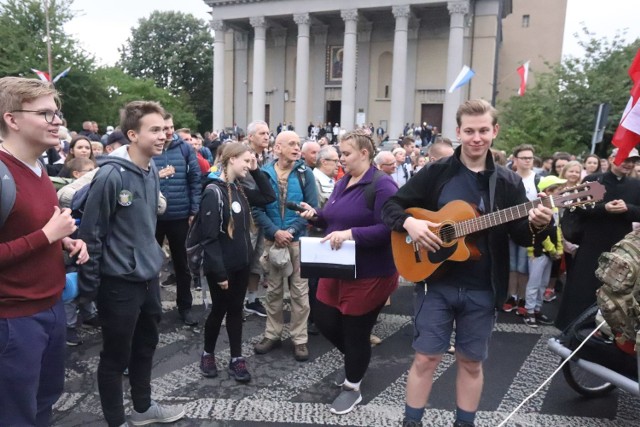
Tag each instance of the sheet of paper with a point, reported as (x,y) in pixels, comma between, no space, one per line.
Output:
(312,251)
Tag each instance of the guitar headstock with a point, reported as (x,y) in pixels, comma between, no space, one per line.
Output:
(582,195)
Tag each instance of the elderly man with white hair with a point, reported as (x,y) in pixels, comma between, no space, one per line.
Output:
(403,170)
(386,162)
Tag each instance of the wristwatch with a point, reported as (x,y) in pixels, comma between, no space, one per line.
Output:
(291,231)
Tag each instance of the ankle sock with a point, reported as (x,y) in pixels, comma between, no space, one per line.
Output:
(414,414)
(352,386)
(204,353)
(251,297)
(233,359)
(465,416)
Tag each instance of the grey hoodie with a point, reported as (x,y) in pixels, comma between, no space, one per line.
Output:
(119,224)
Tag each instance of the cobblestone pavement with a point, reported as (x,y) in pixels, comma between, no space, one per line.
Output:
(284,392)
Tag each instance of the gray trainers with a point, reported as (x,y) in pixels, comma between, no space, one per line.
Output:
(157,414)
(346,401)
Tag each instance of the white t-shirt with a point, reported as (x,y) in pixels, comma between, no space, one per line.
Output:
(530,186)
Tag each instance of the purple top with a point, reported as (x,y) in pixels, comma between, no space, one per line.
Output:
(347,209)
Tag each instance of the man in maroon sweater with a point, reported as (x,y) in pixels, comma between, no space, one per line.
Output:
(32,275)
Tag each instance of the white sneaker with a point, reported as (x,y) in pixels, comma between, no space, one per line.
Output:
(157,414)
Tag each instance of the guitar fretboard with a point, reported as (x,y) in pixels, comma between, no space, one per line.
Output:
(503,216)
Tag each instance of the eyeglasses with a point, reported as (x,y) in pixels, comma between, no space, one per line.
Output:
(388,164)
(49,115)
(332,160)
(524,158)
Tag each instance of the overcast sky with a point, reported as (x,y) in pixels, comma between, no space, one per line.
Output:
(102,27)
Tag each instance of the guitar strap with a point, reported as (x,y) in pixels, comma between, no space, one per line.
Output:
(492,189)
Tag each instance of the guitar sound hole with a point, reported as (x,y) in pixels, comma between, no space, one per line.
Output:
(447,233)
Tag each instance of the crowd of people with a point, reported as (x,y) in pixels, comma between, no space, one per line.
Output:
(223,210)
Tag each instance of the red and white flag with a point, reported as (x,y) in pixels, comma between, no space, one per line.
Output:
(42,75)
(523,71)
(627,135)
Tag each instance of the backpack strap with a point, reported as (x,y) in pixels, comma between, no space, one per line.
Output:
(7,192)
(300,171)
(370,189)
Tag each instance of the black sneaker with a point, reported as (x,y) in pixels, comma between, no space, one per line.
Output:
(73,338)
(543,319)
(459,423)
(197,284)
(93,322)
(255,307)
(530,320)
(312,329)
(170,280)
(238,370)
(411,423)
(208,366)
(187,317)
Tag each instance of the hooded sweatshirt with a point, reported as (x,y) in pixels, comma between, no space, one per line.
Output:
(119,224)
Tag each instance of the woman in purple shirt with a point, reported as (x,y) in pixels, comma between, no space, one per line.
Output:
(346,310)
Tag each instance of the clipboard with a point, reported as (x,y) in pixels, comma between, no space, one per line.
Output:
(319,260)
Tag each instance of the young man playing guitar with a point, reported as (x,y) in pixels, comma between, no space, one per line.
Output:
(467,292)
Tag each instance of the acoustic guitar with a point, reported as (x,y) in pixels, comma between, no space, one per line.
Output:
(458,219)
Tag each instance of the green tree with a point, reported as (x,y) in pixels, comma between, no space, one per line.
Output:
(120,88)
(23,47)
(175,50)
(558,113)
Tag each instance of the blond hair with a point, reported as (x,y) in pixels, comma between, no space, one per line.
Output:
(476,107)
(234,149)
(361,141)
(15,91)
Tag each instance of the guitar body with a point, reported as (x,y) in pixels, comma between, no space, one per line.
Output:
(416,265)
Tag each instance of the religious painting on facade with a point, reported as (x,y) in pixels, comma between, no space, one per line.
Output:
(334,64)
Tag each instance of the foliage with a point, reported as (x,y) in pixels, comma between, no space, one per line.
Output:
(120,88)
(87,93)
(175,50)
(558,113)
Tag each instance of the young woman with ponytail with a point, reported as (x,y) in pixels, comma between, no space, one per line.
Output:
(225,213)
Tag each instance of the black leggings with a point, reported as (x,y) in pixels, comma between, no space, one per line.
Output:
(227,302)
(350,335)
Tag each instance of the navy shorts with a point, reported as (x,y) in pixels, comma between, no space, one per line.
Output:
(435,312)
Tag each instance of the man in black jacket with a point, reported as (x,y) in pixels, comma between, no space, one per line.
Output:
(466,292)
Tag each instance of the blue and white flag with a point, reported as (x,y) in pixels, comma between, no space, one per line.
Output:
(62,74)
(465,75)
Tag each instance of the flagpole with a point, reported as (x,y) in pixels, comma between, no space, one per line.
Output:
(49,57)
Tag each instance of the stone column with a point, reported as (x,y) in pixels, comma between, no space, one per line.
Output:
(363,71)
(399,73)
(218,74)
(240,78)
(277,65)
(457,9)
(319,58)
(302,75)
(259,70)
(348,108)
(412,71)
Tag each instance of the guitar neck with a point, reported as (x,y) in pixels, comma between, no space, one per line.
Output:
(500,217)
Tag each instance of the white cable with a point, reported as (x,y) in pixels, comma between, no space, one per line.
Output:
(564,362)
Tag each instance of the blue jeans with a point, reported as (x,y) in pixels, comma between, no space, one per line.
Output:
(32,353)
(435,312)
(518,258)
